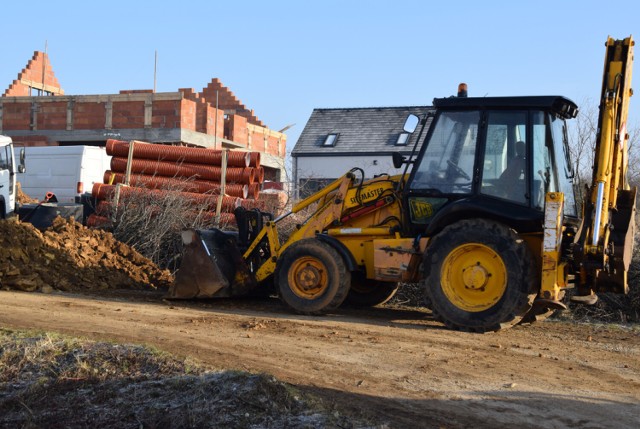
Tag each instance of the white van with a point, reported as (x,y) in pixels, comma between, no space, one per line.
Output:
(67,171)
(8,176)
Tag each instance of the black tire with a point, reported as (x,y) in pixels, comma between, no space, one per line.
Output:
(312,277)
(479,276)
(369,293)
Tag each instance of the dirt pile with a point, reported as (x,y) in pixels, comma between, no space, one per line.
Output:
(22,197)
(71,257)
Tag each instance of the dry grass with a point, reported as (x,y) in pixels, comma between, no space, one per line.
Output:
(614,307)
(152,225)
(53,381)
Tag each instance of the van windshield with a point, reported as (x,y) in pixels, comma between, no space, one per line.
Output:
(5,158)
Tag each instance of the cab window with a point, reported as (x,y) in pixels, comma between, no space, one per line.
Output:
(504,167)
(563,161)
(5,158)
(447,164)
(544,177)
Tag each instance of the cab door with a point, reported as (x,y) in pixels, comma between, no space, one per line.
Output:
(445,169)
(6,182)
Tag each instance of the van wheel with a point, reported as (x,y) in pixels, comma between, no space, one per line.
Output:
(480,276)
(312,277)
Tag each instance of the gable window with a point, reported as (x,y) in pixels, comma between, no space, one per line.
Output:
(403,138)
(330,140)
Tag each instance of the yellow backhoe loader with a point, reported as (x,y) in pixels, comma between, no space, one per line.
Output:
(486,219)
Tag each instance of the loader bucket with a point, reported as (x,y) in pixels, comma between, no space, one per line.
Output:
(212,266)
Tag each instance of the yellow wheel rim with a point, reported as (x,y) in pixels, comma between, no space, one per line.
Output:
(308,277)
(473,277)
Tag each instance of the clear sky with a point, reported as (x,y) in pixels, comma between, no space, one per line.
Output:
(284,58)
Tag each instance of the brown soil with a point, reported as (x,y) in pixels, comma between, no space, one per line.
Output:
(395,364)
(24,198)
(69,256)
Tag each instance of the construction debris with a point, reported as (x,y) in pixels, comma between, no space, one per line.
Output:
(70,257)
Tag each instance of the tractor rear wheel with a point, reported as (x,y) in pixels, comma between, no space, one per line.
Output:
(369,293)
(480,276)
(312,277)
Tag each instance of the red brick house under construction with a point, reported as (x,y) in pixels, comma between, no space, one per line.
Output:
(35,111)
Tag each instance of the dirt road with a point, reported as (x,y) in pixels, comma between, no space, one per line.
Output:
(395,364)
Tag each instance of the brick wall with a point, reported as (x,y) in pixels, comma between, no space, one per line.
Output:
(16,116)
(165,114)
(235,128)
(187,114)
(22,141)
(89,116)
(128,114)
(227,101)
(52,116)
(32,76)
(131,109)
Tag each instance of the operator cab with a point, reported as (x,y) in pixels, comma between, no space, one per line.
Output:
(493,157)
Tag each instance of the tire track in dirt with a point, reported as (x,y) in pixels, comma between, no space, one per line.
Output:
(396,364)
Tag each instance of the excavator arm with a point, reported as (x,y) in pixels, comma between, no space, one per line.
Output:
(604,246)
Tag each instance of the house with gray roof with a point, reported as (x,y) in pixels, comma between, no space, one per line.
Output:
(336,140)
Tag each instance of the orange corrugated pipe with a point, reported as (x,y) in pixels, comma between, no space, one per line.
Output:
(160,152)
(254,191)
(99,218)
(225,218)
(101,191)
(254,160)
(259,174)
(253,204)
(169,183)
(168,169)
(103,208)
(97,221)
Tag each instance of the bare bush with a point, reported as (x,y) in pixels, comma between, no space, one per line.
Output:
(152,222)
(616,308)
(583,133)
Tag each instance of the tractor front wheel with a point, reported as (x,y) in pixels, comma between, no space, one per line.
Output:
(312,277)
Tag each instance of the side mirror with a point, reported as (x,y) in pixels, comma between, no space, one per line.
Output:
(397,159)
(411,123)
(21,167)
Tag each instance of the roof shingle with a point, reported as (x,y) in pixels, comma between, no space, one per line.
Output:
(361,130)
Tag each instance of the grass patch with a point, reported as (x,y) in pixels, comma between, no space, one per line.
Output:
(49,380)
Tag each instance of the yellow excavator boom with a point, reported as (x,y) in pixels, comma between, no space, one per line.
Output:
(606,241)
